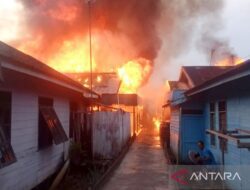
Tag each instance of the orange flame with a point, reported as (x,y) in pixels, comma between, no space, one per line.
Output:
(230,61)
(99,78)
(157,122)
(133,74)
(67,50)
(73,56)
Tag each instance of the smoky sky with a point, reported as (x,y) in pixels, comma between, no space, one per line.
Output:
(144,23)
(53,21)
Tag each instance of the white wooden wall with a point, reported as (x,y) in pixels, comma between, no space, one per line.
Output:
(111,131)
(32,166)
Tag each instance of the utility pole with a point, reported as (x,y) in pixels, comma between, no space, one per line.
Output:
(90,50)
(89,2)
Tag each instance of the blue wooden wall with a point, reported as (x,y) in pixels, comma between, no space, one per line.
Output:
(192,130)
(238,116)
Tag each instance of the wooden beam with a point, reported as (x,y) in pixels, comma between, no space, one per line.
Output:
(243,145)
(233,131)
(243,131)
(224,136)
(241,136)
(234,138)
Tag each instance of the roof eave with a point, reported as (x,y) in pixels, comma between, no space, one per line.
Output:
(236,73)
(30,72)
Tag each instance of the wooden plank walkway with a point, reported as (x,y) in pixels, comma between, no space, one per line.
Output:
(144,166)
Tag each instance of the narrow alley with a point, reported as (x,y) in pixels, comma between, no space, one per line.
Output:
(144,166)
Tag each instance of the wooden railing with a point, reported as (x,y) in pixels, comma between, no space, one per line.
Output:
(234,136)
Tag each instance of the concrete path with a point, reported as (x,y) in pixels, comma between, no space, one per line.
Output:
(144,167)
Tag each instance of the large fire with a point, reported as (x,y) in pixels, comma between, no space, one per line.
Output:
(57,33)
(72,56)
(133,74)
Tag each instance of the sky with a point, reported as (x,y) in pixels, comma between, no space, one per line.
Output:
(10,22)
(236,29)
(237,26)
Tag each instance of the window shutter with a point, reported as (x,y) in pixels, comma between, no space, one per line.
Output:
(54,124)
(7,155)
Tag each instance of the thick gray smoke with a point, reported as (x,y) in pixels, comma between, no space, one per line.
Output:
(184,25)
(54,21)
(187,20)
(144,24)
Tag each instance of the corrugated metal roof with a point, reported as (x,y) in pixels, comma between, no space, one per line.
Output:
(201,74)
(108,83)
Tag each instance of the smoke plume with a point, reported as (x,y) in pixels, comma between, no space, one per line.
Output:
(158,31)
(122,30)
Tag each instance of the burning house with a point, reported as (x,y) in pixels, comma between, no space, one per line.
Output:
(36,104)
(102,83)
(114,123)
(113,95)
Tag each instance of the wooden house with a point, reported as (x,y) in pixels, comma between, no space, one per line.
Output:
(108,85)
(187,122)
(226,108)
(35,125)
(226,100)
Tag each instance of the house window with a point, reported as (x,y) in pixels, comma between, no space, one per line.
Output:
(50,127)
(212,122)
(223,123)
(7,155)
(44,135)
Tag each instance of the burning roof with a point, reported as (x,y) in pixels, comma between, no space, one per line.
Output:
(26,64)
(103,83)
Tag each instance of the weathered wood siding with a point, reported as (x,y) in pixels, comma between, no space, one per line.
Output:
(33,165)
(174,131)
(111,131)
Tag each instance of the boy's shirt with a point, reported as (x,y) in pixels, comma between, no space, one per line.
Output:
(206,153)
